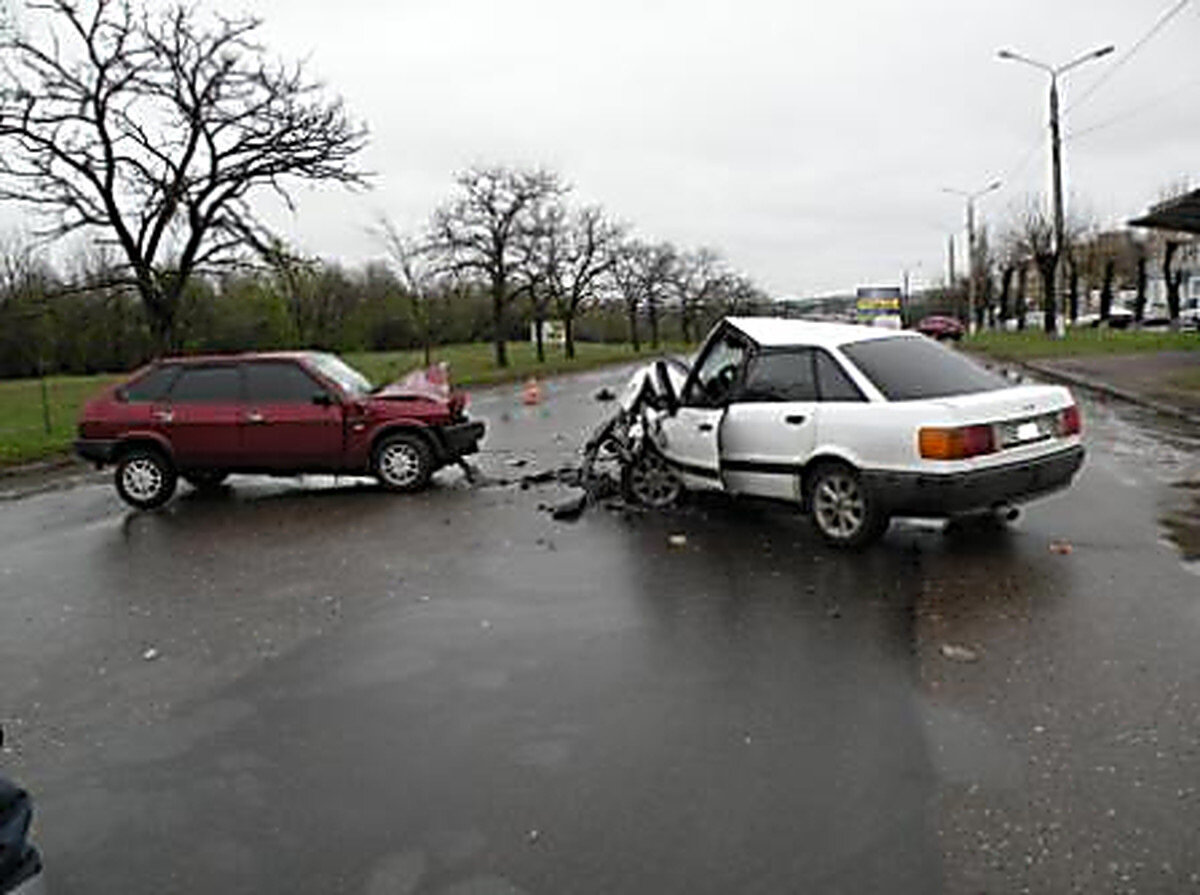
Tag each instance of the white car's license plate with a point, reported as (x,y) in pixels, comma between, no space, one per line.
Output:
(1020,433)
(1028,431)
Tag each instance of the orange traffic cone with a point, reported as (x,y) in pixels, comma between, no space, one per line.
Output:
(531,393)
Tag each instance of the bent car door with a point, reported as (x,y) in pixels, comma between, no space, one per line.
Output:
(689,438)
(770,427)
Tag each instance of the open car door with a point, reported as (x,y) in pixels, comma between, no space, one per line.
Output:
(689,434)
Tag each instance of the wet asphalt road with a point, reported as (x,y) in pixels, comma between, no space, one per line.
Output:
(452,693)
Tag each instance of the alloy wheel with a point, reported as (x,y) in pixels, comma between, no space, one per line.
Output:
(839,505)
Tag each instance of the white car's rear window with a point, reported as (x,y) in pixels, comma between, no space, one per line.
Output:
(909,368)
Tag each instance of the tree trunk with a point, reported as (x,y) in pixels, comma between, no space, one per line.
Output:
(569,335)
(498,324)
(162,311)
(1046,265)
(1005,294)
(1139,305)
(633,328)
(538,323)
(1073,293)
(1022,277)
(1106,292)
(1173,283)
(653,326)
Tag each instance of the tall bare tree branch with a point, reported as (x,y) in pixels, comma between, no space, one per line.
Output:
(156,129)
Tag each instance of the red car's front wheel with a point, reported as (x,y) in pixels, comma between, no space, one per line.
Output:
(403,462)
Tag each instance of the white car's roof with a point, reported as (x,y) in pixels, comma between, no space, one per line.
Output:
(771,331)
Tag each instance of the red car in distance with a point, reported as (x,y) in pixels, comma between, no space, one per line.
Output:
(938,326)
(286,413)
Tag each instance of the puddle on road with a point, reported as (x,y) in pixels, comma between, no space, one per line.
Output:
(1148,449)
(1182,524)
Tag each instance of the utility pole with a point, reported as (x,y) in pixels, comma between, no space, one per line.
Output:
(950,260)
(1056,155)
(972,274)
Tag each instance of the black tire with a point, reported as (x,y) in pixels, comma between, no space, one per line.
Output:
(403,462)
(844,511)
(145,478)
(649,481)
(205,479)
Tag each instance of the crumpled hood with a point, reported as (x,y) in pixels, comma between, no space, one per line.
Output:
(429,384)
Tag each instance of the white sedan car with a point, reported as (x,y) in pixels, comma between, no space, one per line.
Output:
(857,425)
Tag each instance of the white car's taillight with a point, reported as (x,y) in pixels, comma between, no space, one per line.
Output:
(1069,421)
(956,443)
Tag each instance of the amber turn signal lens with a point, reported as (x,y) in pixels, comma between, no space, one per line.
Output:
(955,444)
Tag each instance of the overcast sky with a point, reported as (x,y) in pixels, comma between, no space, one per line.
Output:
(807,141)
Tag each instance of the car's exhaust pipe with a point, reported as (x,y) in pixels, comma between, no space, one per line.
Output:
(1007,512)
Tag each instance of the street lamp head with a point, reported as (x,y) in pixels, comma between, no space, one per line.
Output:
(1006,54)
(1103,51)
(994,185)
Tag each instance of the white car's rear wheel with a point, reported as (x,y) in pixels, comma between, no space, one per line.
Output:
(843,508)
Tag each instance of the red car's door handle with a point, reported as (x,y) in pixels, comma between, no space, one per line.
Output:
(705,427)
(255,417)
(795,419)
(163,416)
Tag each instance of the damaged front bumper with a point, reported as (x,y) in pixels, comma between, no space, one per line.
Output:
(461,439)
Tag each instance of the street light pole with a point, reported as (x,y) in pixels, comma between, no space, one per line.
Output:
(971,197)
(1056,149)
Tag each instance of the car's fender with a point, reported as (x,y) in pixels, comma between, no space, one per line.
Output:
(140,436)
(383,428)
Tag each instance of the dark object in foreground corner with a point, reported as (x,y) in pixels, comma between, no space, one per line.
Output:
(20,863)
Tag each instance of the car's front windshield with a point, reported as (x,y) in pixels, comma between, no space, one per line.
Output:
(349,379)
(912,368)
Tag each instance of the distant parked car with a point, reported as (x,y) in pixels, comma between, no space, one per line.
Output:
(202,418)
(937,326)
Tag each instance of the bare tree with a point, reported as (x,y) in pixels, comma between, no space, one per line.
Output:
(575,252)
(695,278)
(490,231)
(415,265)
(157,129)
(294,276)
(1036,235)
(642,273)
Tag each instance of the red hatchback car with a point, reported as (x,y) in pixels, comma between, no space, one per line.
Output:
(203,418)
(937,326)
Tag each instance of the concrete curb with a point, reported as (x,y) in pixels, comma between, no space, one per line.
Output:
(1104,388)
(41,466)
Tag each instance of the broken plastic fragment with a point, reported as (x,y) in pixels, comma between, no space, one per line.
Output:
(570,510)
(606,394)
(677,540)
(959,653)
(1062,548)
(150,655)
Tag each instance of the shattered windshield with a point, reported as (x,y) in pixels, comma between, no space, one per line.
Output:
(351,381)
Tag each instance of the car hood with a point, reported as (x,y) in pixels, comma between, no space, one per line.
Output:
(645,379)
(429,384)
